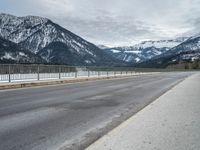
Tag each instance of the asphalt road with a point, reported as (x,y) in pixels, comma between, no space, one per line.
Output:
(72,116)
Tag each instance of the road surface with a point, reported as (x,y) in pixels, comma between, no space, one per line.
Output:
(72,116)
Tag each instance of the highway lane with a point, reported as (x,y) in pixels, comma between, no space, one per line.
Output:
(71,116)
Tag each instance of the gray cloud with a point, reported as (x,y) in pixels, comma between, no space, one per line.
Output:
(115,22)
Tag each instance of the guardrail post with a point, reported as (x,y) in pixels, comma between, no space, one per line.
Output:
(88,73)
(76,74)
(9,73)
(98,73)
(38,72)
(59,72)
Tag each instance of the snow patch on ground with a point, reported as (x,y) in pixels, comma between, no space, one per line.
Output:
(134,52)
(88,61)
(115,51)
(22,54)
(137,59)
(8,56)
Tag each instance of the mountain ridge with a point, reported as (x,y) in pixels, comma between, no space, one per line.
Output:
(36,34)
(188,51)
(11,52)
(53,44)
(143,51)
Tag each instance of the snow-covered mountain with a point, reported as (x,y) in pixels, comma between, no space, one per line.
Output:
(46,38)
(12,53)
(187,51)
(144,50)
(33,39)
(161,43)
(192,44)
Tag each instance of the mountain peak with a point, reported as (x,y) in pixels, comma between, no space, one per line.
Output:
(9,19)
(144,50)
(52,42)
(6,15)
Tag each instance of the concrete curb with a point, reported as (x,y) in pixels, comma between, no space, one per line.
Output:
(5,86)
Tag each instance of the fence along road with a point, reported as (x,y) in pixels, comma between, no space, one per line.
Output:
(19,72)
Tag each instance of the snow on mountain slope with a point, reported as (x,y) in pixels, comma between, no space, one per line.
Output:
(37,34)
(18,29)
(12,53)
(191,44)
(188,51)
(161,43)
(144,50)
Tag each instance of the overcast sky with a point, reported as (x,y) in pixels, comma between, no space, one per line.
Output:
(115,22)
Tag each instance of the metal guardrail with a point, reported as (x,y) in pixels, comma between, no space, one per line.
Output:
(22,72)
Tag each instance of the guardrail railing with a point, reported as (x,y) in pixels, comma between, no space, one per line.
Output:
(23,72)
